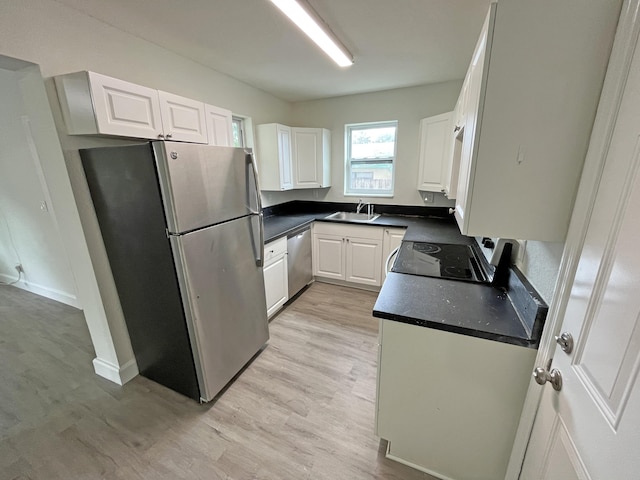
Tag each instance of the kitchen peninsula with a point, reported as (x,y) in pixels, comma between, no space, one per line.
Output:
(454,357)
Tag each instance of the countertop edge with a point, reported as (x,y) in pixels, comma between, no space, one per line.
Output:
(520,342)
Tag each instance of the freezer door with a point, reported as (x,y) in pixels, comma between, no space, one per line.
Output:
(223,294)
(204,185)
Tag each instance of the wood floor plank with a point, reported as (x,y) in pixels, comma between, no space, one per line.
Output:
(303,409)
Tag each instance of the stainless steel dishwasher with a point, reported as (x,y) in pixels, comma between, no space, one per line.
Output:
(299,260)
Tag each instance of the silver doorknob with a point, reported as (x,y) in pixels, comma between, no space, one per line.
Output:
(554,377)
(565,340)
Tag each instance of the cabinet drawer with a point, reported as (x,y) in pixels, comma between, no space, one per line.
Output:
(275,249)
(371,232)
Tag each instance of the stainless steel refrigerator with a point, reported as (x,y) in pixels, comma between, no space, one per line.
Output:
(182,228)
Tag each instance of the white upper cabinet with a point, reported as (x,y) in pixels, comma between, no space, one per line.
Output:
(532,91)
(435,152)
(292,157)
(455,141)
(96,104)
(273,155)
(219,126)
(183,119)
(311,157)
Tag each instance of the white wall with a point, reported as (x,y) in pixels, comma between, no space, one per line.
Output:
(28,235)
(407,105)
(62,40)
(540,265)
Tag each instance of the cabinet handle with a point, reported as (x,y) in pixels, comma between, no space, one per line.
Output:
(160,135)
(347,240)
(169,135)
(456,129)
(452,211)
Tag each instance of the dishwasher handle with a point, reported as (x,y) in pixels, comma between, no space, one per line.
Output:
(390,258)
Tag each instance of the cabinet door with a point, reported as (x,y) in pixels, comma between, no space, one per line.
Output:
(456,136)
(435,148)
(391,240)
(219,126)
(275,284)
(284,157)
(363,261)
(472,113)
(123,108)
(307,157)
(328,256)
(183,119)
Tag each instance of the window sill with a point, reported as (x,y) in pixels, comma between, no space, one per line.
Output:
(378,195)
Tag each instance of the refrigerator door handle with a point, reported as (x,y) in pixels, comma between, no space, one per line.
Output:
(260,253)
(260,258)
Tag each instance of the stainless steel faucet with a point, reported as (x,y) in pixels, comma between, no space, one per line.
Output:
(369,206)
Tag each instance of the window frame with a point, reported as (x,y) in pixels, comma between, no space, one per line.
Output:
(349,128)
(240,121)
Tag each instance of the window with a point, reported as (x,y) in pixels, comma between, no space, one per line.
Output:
(370,156)
(238,131)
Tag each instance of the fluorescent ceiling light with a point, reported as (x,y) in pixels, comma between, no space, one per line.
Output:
(323,37)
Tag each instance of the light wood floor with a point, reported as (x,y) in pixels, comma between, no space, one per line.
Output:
(304,409)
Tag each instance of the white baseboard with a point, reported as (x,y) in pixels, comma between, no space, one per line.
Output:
(391,456)
(47,292)
(119,375)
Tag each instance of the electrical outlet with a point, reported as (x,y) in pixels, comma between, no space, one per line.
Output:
(19,268)
(428,197)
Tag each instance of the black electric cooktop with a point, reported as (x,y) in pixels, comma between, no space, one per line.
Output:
(445,260)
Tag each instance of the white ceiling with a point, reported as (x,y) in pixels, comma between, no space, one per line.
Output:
(395,43)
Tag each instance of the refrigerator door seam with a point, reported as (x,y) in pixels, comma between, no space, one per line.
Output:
(187,301)
(251,160)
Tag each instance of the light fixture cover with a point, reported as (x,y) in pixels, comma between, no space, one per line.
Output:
(323,37)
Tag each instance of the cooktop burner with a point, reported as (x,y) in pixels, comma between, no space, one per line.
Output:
(445,260)
(428,248)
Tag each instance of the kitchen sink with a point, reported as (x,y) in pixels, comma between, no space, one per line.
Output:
(352,217)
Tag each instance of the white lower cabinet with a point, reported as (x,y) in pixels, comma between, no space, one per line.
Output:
(449,404)
(350,253)
(275,275)
(391,240)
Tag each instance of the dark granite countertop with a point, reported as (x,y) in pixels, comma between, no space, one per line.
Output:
(421,226)
(276,226)
(472,309)
(460,307)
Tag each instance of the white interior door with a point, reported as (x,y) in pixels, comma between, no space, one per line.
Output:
(590,429)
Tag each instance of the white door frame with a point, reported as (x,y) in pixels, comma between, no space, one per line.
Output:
(608,107)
